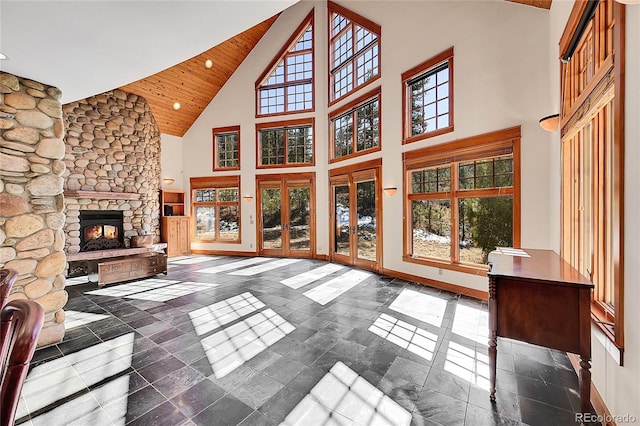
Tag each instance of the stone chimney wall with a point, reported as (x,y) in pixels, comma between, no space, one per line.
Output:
(31,197)
(113,163)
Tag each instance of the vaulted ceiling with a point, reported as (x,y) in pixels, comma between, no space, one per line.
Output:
(542,4)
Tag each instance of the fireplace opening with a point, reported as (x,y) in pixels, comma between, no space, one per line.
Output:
(101,230)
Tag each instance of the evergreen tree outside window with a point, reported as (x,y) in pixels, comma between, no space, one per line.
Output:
(428,98)
(286,86)
(216,209)
(226,148)
(285,144)
(354,52)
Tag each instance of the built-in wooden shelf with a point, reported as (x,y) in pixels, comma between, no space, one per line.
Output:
(94,195)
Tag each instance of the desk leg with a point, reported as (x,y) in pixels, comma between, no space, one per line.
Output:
(585,385)
(493,337)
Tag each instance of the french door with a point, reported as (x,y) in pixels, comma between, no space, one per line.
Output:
(356,218)
(286,215)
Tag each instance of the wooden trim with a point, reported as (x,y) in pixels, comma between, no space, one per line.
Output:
(224,130)
(572,24)
(225,252)
(356,167)
(207,182)
(324,257)
(94,195)
(596,399)
(354,17)
(351,107)
(284,50)
(477,294)
(422,68)
(275,125)
(617,207)
(467,268)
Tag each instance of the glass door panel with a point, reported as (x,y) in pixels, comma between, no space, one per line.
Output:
(342,220)
(271,206)
(299,219)
(366,231)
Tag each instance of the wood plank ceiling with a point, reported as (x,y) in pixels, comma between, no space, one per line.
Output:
(543,4)
(193,85)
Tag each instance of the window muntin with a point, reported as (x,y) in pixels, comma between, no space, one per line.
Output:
(355,128)
(226,148)
(216,209)
(466,191)
(290,145)
(428,95)
(288,87)
(354,52)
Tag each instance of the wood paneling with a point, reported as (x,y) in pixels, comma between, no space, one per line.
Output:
(193,85)
(542,4)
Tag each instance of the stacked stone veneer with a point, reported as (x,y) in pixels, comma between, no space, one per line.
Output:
(112,146)
(31,196)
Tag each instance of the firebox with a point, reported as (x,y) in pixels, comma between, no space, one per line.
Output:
(101,230)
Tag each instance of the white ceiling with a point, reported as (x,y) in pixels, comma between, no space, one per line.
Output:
(89,47)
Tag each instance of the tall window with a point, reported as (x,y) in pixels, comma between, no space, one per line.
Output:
(463,200)
(286,86)
(215,204)
(355,128)
(592,126)
(226,148)
(354,51)
(428,98)
(285,144)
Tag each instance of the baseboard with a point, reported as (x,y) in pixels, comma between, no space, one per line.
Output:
(596,400)
(324,257)
(226,252)
(477,294)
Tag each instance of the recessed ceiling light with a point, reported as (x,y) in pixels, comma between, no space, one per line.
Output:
(3,56)
(208,63)
(176,105)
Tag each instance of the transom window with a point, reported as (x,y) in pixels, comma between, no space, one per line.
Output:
(428,98)
(286,86)
(216,209)
(226,148)
(463,200)
(355,128)
(354,51)
(285,144)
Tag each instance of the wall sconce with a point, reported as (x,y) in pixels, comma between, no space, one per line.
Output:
(390,191)
(247,198)
(168,181)
(550,123)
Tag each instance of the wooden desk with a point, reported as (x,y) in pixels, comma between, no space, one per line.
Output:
(542,300)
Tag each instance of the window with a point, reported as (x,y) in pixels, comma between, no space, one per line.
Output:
(592,132)
(216,208)
(226,148)
(355,128)
(428,98)
(354,51)
(463,200)
(285,144)
(286,86)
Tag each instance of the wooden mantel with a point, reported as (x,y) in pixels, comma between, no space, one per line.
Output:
(94,195)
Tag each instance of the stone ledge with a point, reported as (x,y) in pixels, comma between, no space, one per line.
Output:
(95,195)
(104,254)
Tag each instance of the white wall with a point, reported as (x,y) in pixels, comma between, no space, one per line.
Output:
(171,161)
(501,80)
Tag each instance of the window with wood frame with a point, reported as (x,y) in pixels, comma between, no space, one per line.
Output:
(355,128)
(354,52)
(226,148)
(592,133)
(462,200)
(215,205)
(285,144)
(286,86)
(427,92)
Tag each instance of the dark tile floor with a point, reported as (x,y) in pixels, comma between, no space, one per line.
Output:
(225,341)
